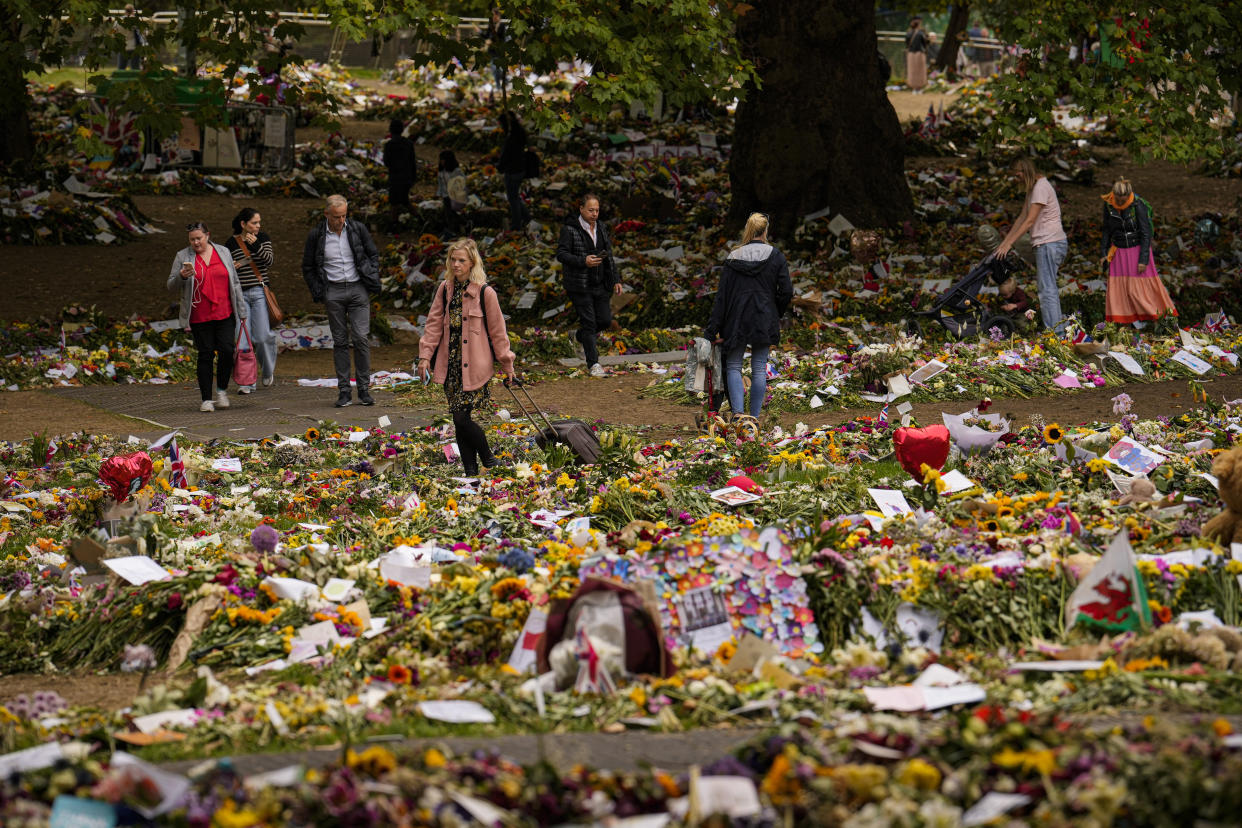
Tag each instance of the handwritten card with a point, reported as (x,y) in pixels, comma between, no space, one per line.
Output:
(1192,362)
(138,569)
(1134,457)
(891,502)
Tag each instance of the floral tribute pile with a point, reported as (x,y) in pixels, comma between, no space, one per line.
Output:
(343,585)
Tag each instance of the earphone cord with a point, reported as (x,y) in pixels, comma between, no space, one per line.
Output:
(196,295)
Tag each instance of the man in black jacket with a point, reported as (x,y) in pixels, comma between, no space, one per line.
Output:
(341,267)
(590,274)
(401,161)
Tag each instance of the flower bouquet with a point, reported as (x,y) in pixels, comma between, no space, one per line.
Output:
(975,433)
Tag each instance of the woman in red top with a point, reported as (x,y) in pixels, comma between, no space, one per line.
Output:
(211,303)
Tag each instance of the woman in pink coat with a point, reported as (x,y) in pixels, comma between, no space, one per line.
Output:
(463,339)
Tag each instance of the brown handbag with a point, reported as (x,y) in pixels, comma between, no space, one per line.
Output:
(274,314)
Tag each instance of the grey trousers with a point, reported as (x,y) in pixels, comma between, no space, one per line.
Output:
(349,319)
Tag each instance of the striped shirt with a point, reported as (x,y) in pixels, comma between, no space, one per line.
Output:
(261,252)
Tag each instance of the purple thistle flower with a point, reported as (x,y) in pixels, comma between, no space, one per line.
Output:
(264,538)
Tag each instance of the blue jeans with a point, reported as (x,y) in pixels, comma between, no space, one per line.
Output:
(260,331)
(1048,258)
(519,216)
(758,377)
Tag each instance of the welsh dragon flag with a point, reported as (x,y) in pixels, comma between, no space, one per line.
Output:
(1112,596)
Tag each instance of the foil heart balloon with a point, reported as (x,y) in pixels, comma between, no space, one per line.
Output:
(744,483)
(126,474)
(916,446)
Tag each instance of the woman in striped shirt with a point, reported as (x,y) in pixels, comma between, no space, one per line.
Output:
(253,258)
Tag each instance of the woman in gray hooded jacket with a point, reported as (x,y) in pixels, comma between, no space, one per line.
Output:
(755,290)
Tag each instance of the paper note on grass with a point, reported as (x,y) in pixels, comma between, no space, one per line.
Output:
(928,371)
(458,711)
(891,502)
(138,569)
(1192,362)
(1127,362)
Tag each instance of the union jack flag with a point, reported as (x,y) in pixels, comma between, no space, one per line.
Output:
(176,467)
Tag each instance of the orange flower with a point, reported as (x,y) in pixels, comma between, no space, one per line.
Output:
(400,674)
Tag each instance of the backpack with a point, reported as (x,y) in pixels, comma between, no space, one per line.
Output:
(1151,214)
(531,163)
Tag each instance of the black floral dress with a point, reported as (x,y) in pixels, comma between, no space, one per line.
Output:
(460,400)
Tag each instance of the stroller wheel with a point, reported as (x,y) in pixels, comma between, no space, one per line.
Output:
(913,328)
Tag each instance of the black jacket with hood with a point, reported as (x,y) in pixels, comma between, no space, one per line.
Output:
(574,246)
(755,290)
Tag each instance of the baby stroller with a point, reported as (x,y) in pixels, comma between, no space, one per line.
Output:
(959,310)
(704,374)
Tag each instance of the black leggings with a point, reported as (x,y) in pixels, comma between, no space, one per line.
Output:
(214,343)
(471,442)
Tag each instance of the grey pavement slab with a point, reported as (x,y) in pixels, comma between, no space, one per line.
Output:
(285,408)
(626,751)
(628,359)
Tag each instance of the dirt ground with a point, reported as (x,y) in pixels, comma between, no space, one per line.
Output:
(106,692)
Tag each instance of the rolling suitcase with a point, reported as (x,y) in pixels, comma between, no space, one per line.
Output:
(575,435)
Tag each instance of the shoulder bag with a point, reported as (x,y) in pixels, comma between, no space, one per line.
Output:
(245,364)
(274,314)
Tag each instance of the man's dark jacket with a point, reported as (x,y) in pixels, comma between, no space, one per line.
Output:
(575,245)
(366,257)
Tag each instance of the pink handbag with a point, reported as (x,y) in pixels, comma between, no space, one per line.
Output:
(245,364)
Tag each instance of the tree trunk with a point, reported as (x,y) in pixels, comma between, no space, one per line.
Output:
(820,132)
(958,20)
(16,141)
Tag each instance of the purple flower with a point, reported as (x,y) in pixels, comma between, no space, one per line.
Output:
(1122,404)
(264,538)
(996,333)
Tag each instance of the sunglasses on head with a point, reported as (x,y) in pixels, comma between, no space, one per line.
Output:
(195,225)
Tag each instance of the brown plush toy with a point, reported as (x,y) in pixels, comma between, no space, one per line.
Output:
(1226,528)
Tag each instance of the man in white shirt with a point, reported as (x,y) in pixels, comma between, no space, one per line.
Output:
(340,265)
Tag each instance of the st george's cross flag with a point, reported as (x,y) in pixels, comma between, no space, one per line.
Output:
(1112,595)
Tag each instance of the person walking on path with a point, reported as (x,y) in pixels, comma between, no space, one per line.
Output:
(589,270)
(916,55)
(1041,215)
(211,301)
(464,338)
(451,190)
(253,257)
(341,267)
(512,165)
(755,290)
(1135,293)
(401,161)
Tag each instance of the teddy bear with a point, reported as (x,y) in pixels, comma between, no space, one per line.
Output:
(1226,528)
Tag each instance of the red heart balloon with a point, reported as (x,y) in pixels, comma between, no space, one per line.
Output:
(126,474)
(916,446)
(744,483)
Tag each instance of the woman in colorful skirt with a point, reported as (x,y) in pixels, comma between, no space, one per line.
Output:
(1135,292)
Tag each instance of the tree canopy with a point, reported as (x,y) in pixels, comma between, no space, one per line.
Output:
(1162,76)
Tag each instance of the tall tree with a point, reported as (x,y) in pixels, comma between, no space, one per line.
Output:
(816,128)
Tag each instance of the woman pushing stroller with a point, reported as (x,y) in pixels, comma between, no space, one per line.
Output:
(755,290)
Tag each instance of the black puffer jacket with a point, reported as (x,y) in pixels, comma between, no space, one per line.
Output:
(575,245)
(1127,228)
(366,257)
(755,290)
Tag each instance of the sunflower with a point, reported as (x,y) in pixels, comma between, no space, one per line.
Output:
(400,674)
(1053,434)
(312,434)
(990,526)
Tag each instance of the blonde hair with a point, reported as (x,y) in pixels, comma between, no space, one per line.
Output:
(756,226)
(1122,187)
(477,274)
(1026,168)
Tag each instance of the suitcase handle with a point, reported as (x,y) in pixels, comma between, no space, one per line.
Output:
(533,405)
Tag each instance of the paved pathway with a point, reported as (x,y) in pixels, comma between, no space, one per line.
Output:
(620,752)
(284,408)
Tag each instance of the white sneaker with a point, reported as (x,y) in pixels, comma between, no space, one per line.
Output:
(597,370)
(207,405)
(267,381)
(222,399)
(245,389)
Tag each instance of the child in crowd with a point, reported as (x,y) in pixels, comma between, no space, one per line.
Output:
(1014,303)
